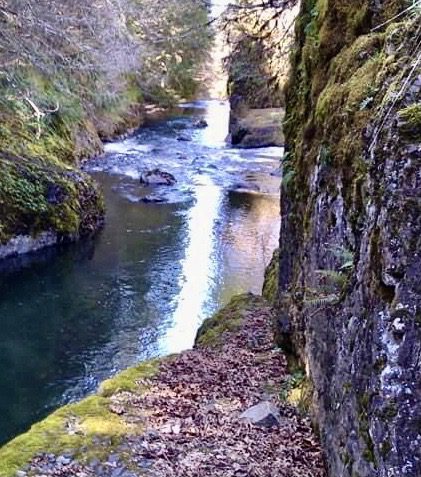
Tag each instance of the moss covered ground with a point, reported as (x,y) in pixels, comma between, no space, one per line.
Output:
(87,429)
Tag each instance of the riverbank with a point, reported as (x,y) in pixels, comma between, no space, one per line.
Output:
(182,415)
(44,197)
(59,103)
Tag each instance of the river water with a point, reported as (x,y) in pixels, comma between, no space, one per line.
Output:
(167,258)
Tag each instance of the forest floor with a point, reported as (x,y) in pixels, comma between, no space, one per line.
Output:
(186,419)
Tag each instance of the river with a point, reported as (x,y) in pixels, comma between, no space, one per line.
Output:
(167,258)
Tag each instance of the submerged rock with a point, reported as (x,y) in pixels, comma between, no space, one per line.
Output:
(157,177)
(183,138)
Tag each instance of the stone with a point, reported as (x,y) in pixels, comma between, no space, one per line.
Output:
(256,128)
(113,459)
(157,177)
(264,414)
(118,472)
(201,124)
(22,244)
(245,188)
(63,460)
(150,199)
(183,138)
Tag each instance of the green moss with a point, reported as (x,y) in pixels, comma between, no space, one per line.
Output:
(297,390)
(128,380)
(348,96)
(364,401)
(228,319)
(70,428)
(410,120)
(78,428)
(38,195)
(271,282)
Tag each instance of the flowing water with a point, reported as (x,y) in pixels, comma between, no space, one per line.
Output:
(166,259)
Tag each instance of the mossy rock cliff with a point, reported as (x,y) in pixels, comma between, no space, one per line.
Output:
(350,235)
(37,195)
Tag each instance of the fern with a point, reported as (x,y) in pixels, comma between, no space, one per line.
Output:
(333,277)
(320,302)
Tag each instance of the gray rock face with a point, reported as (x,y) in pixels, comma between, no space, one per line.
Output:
(157,177)
(358,325)
(25,244)
(253,128)
(264,414)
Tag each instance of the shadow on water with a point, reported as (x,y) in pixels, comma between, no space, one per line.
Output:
(72,316)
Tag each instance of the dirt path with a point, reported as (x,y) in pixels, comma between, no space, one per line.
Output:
(187,416)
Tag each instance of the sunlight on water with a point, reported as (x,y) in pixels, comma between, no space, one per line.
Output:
(198,268)
(217,117)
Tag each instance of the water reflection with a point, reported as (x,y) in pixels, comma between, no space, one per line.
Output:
(217,117)
(199,268)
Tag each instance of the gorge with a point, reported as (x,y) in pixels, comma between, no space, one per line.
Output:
(321,375)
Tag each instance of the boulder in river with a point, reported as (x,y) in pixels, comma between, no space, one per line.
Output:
(245,188)
(152,199)
(157,177)
(201,124)
(253,128)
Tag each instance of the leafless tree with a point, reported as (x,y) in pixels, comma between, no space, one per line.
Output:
(91,50)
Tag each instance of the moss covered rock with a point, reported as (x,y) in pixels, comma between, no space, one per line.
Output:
(37,195)
(351,204)
(78,428)
(227,319)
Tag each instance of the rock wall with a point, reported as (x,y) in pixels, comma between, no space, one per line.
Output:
(257,66)
(350,263)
